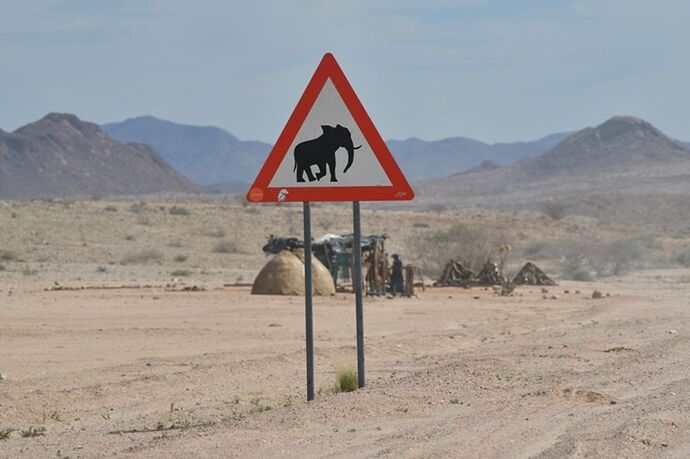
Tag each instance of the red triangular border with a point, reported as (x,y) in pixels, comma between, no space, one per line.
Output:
(399,190)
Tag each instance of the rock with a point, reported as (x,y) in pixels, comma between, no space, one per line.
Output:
(672,332)
(554,297)
(545,297)
(597,294)
(544,290)
(3,376)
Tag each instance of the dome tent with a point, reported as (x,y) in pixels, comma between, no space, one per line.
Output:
(284,275)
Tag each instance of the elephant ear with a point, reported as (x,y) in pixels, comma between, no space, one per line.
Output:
(326,129)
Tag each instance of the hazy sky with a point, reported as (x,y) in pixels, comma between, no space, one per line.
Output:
(495,70)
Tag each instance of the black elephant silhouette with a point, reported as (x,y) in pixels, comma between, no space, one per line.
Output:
(321,151)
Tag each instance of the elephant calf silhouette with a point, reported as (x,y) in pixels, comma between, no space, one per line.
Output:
(321,151)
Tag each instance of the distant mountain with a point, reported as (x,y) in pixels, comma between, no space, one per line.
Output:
(210,155)
(61,155)
(421,159)
(206,155)
(625,156)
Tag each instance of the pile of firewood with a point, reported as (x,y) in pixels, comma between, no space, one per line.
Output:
(530,274)
(455,275)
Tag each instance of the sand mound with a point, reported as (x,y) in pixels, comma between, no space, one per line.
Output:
(284,275)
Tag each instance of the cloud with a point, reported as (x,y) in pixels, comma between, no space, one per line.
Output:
(490,69)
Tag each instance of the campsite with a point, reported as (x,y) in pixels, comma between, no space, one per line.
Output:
(116,346)
(322,229)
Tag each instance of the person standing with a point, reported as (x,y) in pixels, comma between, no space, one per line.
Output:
(397,284)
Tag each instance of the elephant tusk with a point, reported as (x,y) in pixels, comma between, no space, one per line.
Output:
(357,148)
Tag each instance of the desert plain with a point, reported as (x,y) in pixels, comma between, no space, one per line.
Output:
(128,329)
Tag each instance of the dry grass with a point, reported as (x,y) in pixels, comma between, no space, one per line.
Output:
(50,234)
(143,257)
(346,379)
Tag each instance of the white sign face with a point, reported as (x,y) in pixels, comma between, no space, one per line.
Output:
(319,154)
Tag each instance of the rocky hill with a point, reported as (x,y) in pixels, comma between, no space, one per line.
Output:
(211,157)
(61,155)
(624,167)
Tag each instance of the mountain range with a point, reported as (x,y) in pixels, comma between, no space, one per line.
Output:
(623,170)
(61,155)
(209,156)
(215,159)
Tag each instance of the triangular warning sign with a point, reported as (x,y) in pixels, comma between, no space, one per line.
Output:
(330,150)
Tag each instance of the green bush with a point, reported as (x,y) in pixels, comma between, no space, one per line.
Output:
(346,379)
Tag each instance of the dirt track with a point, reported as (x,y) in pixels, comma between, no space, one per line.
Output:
(159,374)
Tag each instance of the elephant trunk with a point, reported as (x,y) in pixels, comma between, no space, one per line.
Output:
(350,157)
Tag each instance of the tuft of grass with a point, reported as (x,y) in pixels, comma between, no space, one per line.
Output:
(2,267)
(33,431)
(143,220)
(5,433)
(29,272)
(683,258)
(180,273)
(581,275)
(129,237)
(101,269)
(555,210)
(110,208)
(7,255)
(420,225)
(226,247)
(145,256)
(217,233)
(257,407)
(180,258)
(175,210)
(138,207)
(346,379)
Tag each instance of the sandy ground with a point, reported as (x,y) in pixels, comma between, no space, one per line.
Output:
(462,373)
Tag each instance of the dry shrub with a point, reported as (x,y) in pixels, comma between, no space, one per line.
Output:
(683,258)
(555,210)
(226,247)
(582,260)
(469,245)
(7,255)
(138,207)
(175,210)
(143,257)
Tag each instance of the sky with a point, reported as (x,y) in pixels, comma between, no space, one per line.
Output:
(493,70)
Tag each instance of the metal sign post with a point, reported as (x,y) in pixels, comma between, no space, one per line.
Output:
(329,116)
(359,309)
(308,310)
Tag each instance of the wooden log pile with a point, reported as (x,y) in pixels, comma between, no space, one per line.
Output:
(530,274)
(455,275)
(490,275)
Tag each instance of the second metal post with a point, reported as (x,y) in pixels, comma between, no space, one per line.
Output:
(308,315)
(359,309)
